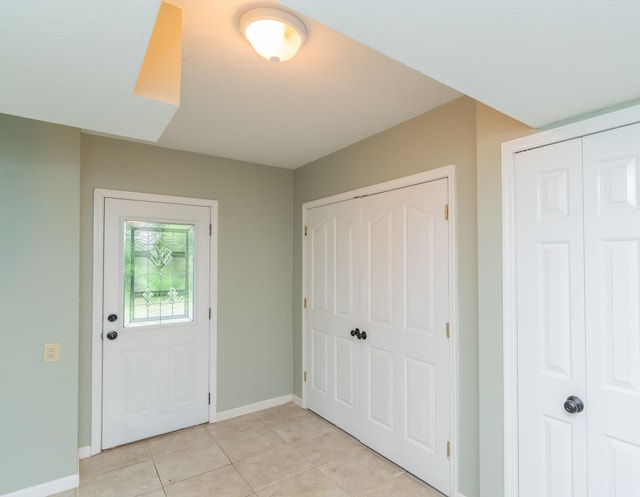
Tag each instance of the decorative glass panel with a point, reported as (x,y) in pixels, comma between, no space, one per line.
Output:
(158,273)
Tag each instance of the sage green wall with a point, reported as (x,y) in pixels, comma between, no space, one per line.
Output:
(254,264)
(39,205)
(47,177)
(493,128)
(446,135)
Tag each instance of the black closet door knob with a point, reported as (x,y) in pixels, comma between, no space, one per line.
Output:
(363,335)
(112,335)
(573,404)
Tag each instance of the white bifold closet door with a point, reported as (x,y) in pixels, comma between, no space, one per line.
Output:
(578,301)
(378,267)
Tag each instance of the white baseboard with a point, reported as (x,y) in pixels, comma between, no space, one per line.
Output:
(84,452)
(251,408)
(296,400)
(48,488)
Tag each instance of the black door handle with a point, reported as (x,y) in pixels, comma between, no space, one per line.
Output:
(112,335)
(360,335)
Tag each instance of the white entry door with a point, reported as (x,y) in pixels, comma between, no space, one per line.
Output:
(578,303)
(378,352)
(156,319)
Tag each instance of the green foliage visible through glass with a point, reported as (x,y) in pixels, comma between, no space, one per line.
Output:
(158,272)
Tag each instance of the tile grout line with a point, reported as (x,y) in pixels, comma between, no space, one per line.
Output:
(153,460)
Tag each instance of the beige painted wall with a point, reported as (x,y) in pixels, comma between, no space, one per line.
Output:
(446,135)
(254,265)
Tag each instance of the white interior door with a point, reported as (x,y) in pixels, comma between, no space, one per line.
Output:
(578,316)
(378,355)
(612,251)
(405,358)
(156,319)
(550,320)
(333,244)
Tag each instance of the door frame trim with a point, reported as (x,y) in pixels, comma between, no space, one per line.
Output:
(605,122)
(99,196)
(446,172)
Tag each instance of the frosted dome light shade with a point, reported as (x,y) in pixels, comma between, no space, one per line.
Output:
(275,34)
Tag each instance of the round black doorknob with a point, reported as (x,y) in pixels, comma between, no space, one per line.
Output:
(573,404)
(112,335)
(363,335)
(353,333)
(112,317)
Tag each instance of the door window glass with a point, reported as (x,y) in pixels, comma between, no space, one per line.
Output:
(158,273)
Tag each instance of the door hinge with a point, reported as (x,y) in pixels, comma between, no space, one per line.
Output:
(305,376)
(305,230)
(448,449)
(210,229)
(304,302)
(209,313)
(209,398)
(446,212)
(448,330)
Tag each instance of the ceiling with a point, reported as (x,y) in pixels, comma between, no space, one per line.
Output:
(77,62)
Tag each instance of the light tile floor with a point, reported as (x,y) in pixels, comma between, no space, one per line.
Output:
(285,451)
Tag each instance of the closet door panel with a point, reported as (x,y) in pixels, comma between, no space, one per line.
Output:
(378,266)
(550,320)
(612,262)
(405,303)
(332,242)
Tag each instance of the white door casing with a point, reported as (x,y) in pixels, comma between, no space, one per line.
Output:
(589,343)
(379,264)
(171,391)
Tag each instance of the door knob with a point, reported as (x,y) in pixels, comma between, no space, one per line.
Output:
(360,335)
(112,317)
(573,404)
(112,335)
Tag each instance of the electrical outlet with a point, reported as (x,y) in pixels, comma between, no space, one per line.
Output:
(51,352)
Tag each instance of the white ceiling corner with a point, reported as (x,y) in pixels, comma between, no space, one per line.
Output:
(538,62)
(76,63)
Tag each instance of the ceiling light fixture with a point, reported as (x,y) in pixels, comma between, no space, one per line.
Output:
(275,34)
